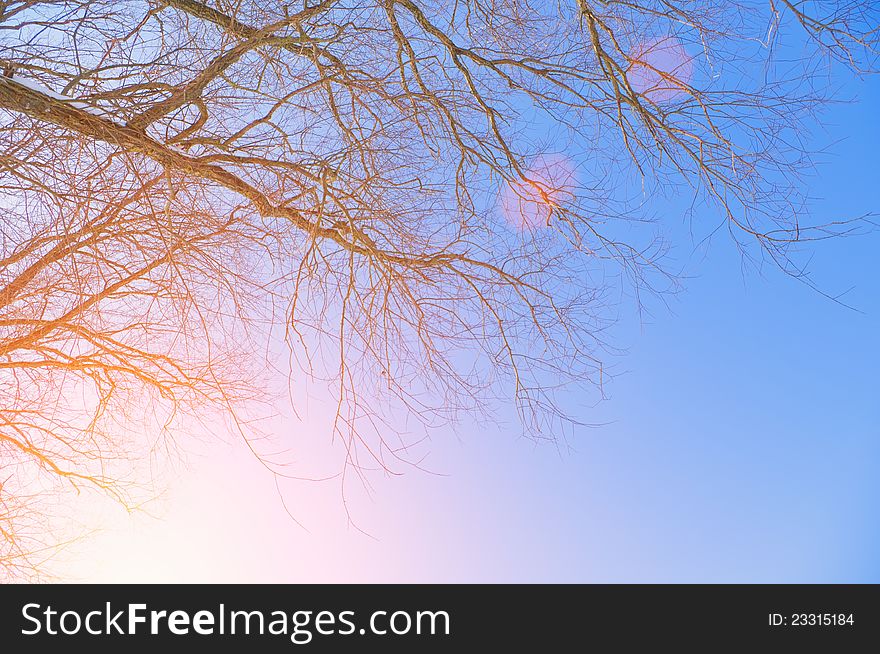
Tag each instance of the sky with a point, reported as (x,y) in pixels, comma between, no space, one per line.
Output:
(739,444)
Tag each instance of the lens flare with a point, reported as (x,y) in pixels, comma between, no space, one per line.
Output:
(549,183)
(661,69)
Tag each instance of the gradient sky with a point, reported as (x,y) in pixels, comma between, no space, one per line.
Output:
(741,446)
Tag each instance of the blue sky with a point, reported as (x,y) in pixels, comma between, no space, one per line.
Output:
(741,445)
(744,443)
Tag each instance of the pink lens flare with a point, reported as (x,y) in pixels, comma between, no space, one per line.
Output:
(549,183)
(661,69)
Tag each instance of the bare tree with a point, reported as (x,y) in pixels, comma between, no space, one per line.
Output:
(429,199)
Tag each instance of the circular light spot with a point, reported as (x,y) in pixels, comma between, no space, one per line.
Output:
(660,69)
(549,183)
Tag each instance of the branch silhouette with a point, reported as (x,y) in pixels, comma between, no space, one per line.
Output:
(183,181)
